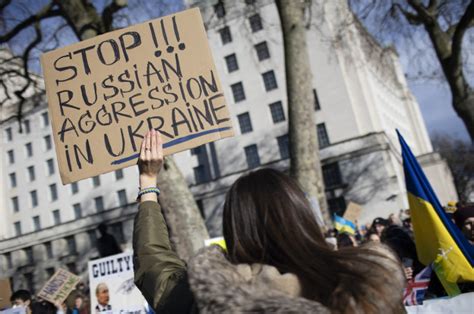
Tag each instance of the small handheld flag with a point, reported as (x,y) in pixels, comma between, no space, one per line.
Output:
(344,225)
(437,239)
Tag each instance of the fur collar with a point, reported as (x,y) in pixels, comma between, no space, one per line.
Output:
(222,287)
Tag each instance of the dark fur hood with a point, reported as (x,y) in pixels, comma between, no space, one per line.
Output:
(222,287)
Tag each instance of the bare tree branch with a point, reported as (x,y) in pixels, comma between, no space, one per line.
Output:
(456,47)
(108,13)
(411,18)
(46,12)
(4,3)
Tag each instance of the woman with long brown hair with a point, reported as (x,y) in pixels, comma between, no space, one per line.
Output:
(277,259)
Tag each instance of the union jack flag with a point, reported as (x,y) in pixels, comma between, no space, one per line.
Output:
(414,293)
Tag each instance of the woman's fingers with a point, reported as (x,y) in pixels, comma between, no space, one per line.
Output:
(148,145)
(159,145)
(142,149)
(154,149)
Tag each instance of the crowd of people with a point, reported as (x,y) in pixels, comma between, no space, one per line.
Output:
(76,303)
(396,232)
(277,258)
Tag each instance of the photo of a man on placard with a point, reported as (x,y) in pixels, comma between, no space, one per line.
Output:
(103,298)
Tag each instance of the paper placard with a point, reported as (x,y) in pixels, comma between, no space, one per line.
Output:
(105,93)
(112,287)
(59,286)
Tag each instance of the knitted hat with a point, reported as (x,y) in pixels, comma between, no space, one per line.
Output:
(462,214)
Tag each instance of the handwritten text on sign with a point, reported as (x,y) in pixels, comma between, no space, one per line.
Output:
(106,92)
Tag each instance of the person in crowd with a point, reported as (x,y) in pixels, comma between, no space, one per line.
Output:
(103,298)
(464,219)
(106,244)
(22,298)
(276,258)
(346,240)
(393,220)
(378,225)
(80,305)
(402,244)
(372,237)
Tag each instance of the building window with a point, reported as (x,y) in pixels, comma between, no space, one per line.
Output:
(50,165)
(71,245)
(251,154)
(219,9)
(284,146)
(245,123)
(118,174)
(200,174)
(316,100)
(8,257)
(226,36)
(29,149)
(77,210)
(238,91)
(47,142)
(49,249)
(53,190)
(26,123)
(262,51)
(269,80)
(45,119)
(277,112)
(249,2)
(11,156)
(56,217)
(29,255)
(31,173)
(15,204)
(29,282)
(231,61)
(99,203)
(255,23)
(337,205)
(17,226)
(92,238)
(36,223)
(332,175)
(96,181)
(117,231)
(9,134)
(122,197)
(34,198)
(323,138)
(12,177)
(50,271)
(71,267)
(74,188)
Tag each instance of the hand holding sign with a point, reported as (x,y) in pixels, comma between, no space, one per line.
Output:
(105,93)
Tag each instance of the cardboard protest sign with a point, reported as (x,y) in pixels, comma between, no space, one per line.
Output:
(112,287)
(5,293)
(105,93)
(59,286)
(352,212)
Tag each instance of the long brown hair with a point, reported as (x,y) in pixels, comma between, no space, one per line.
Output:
(267,219)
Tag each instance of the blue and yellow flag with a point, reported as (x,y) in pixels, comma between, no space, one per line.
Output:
(437,239)
(344,225)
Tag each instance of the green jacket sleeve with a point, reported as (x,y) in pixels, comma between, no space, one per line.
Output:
(157,267)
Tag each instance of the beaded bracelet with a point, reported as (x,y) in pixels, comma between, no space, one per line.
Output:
(148,190)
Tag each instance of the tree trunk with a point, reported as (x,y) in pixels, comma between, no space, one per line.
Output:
(304,152)
(186,226)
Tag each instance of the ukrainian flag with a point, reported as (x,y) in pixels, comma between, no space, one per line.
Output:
(344,225)
(437,239)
